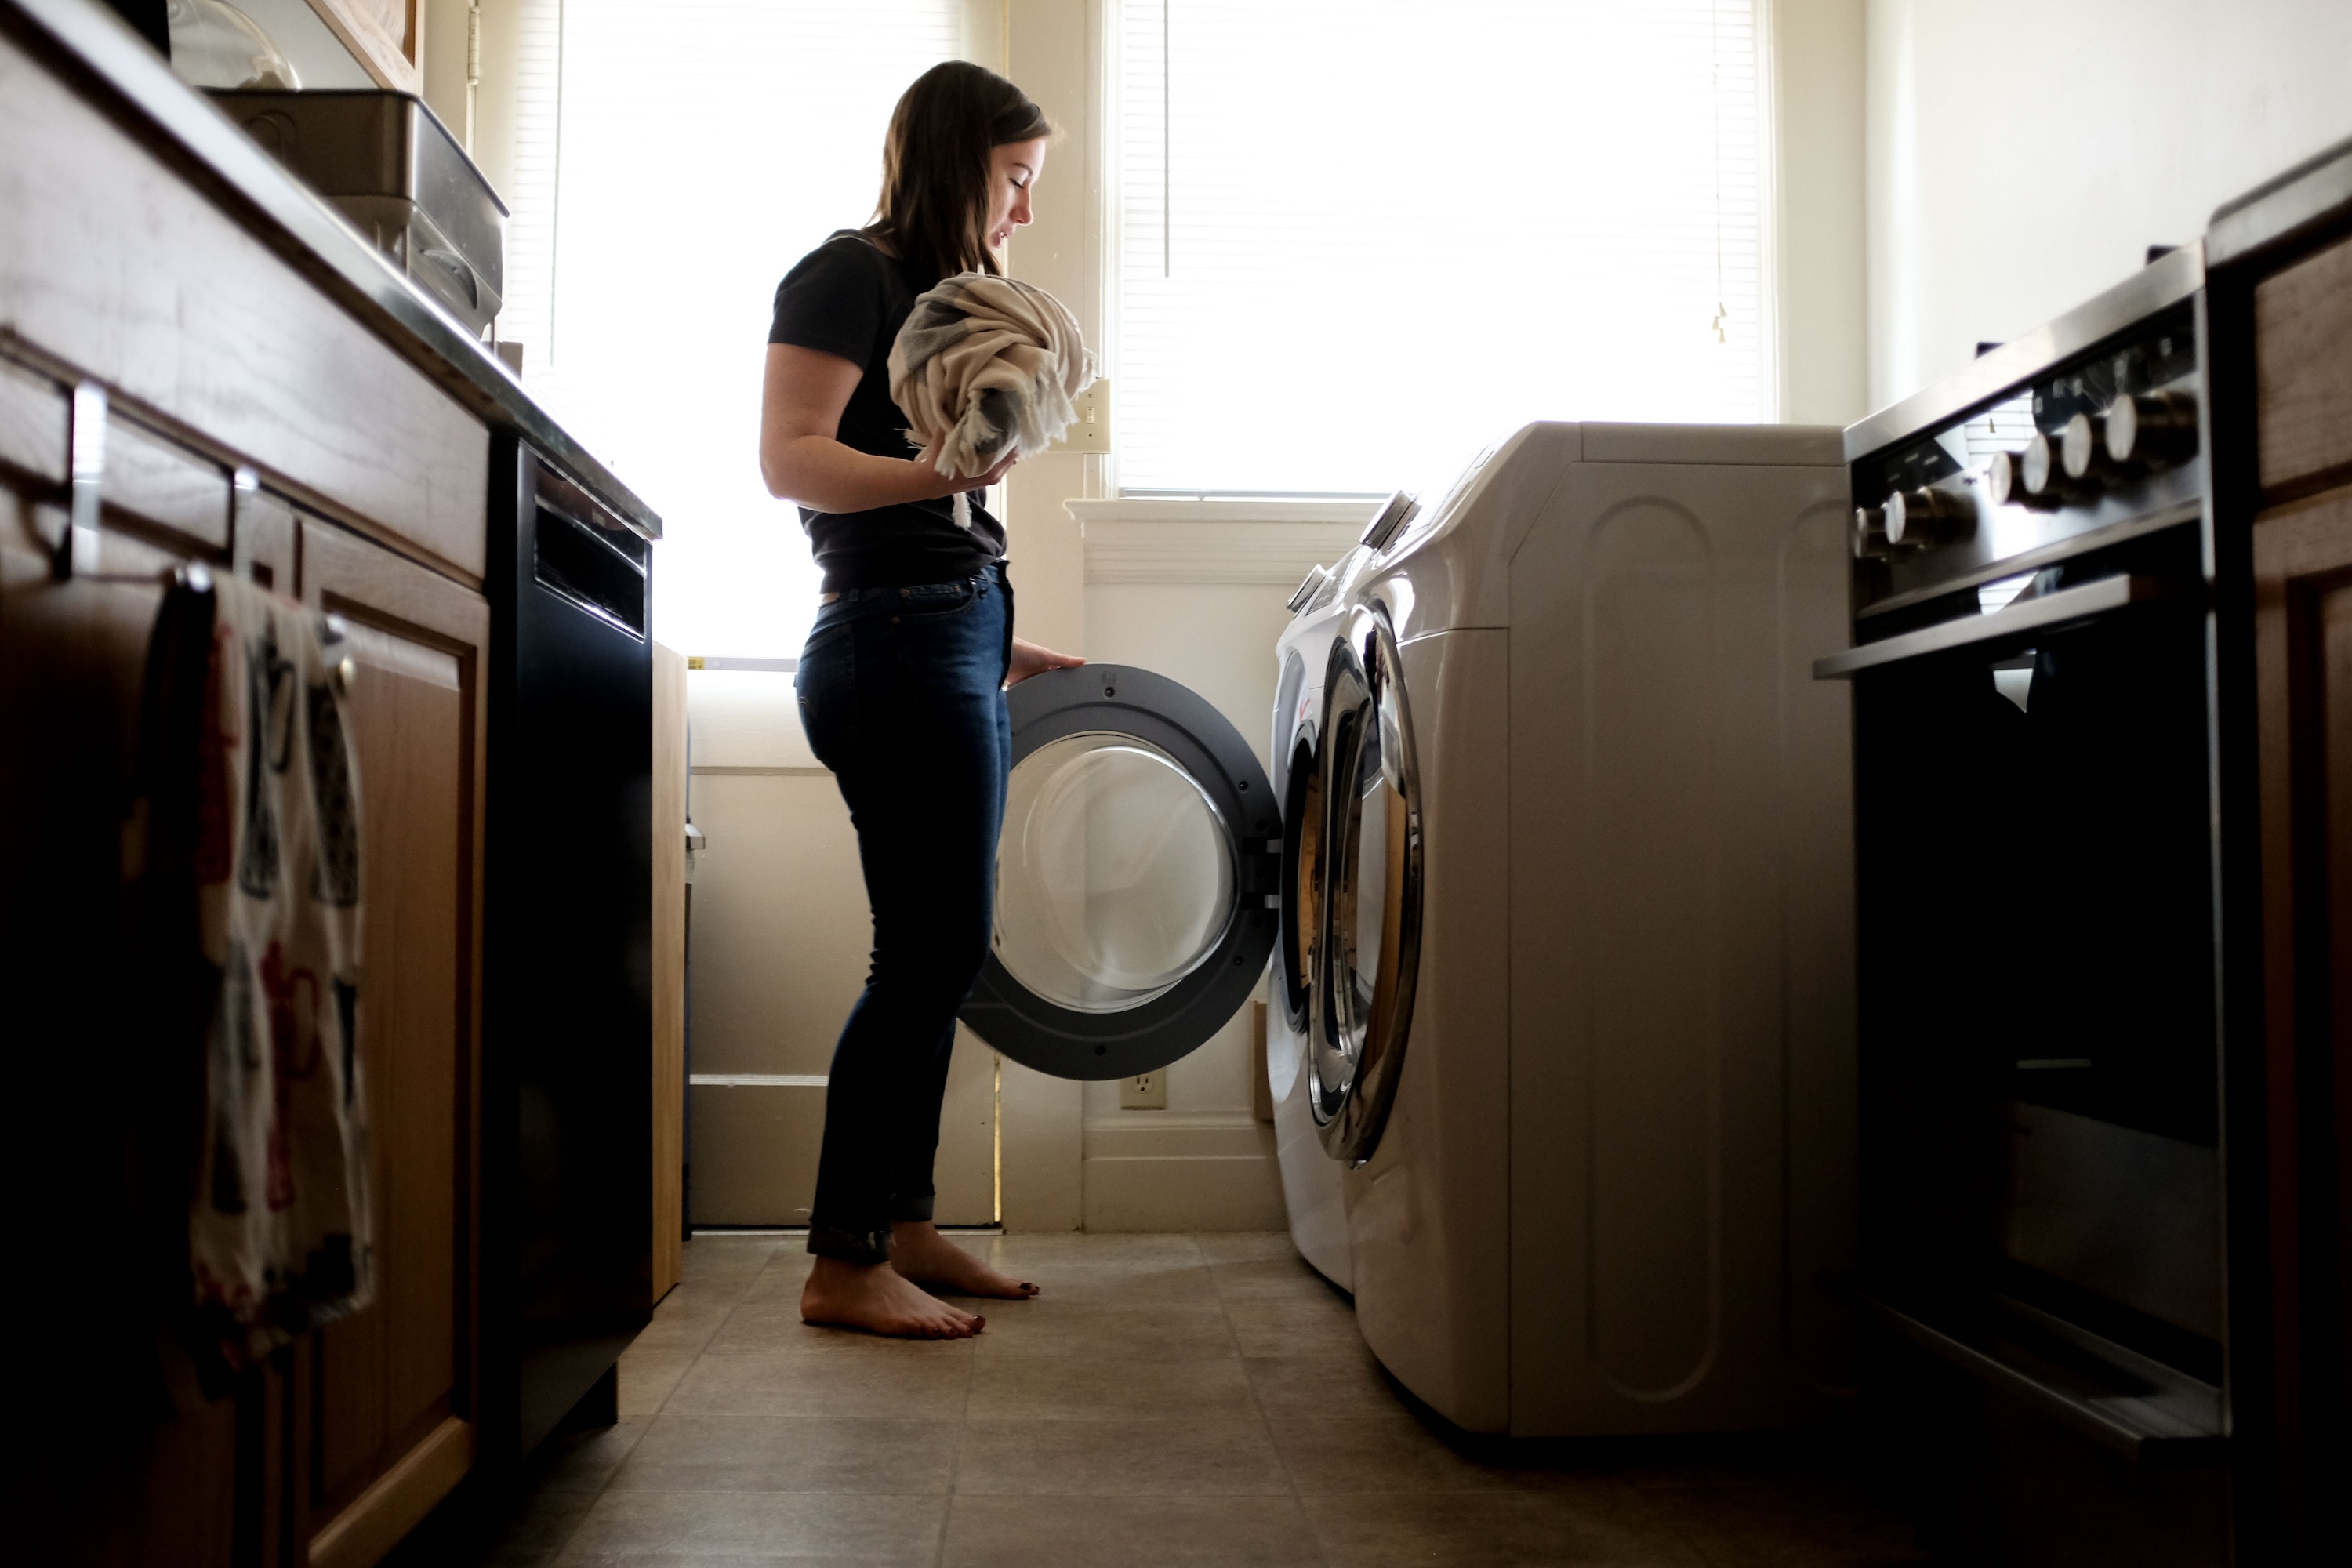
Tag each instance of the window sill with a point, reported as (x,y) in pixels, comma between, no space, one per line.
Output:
(1261,543)
(1164,509)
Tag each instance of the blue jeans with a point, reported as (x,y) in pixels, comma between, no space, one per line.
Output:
(901,695)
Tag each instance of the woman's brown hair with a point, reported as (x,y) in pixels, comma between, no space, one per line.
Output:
(935,166)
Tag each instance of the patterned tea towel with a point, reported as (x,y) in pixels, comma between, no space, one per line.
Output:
(278,1223)
(983,364)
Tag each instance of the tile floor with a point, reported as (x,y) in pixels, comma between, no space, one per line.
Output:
(1170,1399)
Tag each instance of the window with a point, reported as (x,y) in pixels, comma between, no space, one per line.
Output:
(672,162)
(1363,239)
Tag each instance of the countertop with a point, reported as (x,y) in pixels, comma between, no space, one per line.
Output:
(113,66)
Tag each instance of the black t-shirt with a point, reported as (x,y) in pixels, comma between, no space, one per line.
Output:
(848,299)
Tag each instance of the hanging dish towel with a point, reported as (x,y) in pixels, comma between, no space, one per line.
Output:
(984,364)
(278,1224)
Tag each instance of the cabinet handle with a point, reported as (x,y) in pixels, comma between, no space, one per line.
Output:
(78,551)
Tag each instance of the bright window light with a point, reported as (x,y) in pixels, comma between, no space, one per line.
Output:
(1362,239)
(672,162)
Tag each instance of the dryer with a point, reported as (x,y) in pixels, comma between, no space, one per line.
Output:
(1312,1192)
(1580,1005)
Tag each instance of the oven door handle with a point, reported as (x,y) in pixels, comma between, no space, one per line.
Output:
(2065,605)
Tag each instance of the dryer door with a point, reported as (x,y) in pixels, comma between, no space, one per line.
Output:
(1299,777)
(1135,879)
(1369,919)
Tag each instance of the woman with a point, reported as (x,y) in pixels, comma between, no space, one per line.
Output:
(901,683)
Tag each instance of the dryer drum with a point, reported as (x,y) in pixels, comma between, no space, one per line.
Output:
(1368,952)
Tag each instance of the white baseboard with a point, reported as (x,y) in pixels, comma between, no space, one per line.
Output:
(1176,1171)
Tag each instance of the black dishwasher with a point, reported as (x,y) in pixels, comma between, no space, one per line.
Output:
(567,1109)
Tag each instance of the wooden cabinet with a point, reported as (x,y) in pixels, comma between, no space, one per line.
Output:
(669,765)
(333,1452)
(397,1383)
(274,402)
(2282,394)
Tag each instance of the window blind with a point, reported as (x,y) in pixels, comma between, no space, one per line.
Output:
(1362,240)
(671,163)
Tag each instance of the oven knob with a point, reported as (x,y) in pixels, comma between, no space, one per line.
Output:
(1923,518)
(2155,431)
(2083,450)
(2005,483)
(1870,540)
(2045,473)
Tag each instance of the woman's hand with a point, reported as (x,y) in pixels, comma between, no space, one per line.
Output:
(948,487)
(1029,659)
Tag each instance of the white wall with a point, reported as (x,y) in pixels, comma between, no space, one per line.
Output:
(2023,155)
(1819,247)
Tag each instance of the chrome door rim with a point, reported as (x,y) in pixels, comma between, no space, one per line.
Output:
(1357,1042)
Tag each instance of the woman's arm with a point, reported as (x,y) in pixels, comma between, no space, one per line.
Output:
(802,458)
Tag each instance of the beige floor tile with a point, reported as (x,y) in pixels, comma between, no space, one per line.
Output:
(1306,1325)
(710,1257)
(1395,1453)
(1790,1526)
(528,1530)
(671,1528)
(758,1326)
(1128,1532)
(1587,1528)
(745,1451)
(1071,1388)
(917,1384)
(1349,1384)
(1276,1279)
(1119,1458)
(683,1322)
(1144,1284)
(1246,1246)
(768,1328)
(581,1461)
(1019,1253)
(1058,1327)
(646,1379)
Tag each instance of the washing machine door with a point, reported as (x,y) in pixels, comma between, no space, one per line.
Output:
(1298,766)
(1135,878)
(1361,989)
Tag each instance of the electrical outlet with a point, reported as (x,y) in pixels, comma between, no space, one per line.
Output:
(1144,1091)
(1091,431)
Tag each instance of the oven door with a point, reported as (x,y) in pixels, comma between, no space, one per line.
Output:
(2038,951)
(1136,877)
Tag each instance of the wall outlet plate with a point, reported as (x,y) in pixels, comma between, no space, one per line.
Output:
(1144,1091)
(1091,432)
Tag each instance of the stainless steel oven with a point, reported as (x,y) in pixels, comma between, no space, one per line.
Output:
(2036,852)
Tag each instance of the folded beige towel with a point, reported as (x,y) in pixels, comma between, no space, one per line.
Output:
(984,364)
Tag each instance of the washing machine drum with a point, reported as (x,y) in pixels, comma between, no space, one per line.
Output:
(1136,879)
(1366,954)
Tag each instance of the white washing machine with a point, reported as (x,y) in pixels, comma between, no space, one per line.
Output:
(1312,1190)
(1579,1026)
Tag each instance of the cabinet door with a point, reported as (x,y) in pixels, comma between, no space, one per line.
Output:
(395,1386)
(2303,573)
(129,1458)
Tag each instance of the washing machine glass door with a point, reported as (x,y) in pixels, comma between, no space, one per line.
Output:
(1134,878)
(1299,766)
(1369,917)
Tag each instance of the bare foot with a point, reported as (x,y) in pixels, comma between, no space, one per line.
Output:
(920,1252)
(877,1299)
